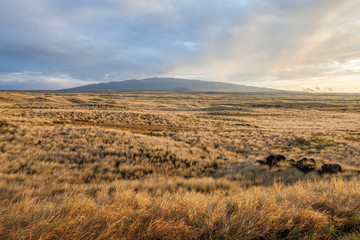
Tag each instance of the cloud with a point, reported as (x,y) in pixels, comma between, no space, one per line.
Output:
(276,43)
(27,80)
(318,89)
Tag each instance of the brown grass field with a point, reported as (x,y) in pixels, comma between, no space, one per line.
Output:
(158,165)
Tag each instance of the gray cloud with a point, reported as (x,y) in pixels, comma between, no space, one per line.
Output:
(276,43)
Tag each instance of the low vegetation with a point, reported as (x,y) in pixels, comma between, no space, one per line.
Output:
(144,165)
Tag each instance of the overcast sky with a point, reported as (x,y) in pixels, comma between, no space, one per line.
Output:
(311,45)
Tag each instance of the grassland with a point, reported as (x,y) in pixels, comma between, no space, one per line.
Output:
(143,165)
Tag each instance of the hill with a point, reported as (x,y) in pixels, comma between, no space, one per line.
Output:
(171,84)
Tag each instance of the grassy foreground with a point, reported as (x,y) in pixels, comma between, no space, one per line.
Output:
(311,210)
(177,166)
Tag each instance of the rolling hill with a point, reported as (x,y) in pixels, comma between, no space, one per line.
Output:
(171,84)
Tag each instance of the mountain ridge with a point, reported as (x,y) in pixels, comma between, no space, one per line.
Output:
(171,84)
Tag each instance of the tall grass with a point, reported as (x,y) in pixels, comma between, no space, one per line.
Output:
(308,210)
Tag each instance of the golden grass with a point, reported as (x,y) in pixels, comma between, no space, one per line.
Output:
(321,210)
(176,166)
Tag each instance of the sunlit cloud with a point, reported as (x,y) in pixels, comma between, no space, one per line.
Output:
(292,45)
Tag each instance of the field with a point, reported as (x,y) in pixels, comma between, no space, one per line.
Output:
(159,165)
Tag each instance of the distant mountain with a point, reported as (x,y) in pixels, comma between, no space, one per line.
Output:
(171,84)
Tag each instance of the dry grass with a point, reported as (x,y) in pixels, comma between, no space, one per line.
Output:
(325,209)
(176,166)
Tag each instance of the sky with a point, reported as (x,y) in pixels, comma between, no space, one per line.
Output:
(303,45)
